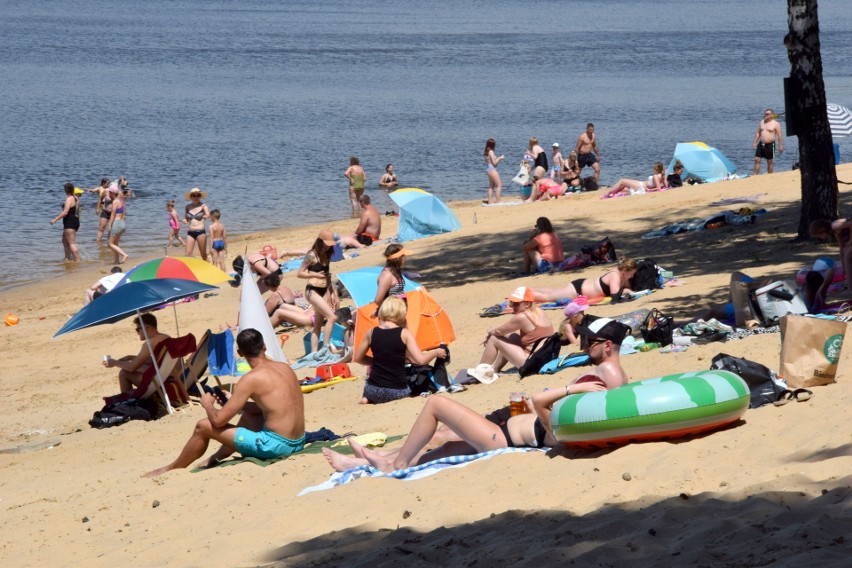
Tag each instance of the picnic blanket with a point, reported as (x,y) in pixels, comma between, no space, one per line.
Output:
(414,472)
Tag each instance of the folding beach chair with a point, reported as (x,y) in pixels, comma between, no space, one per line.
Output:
(176,349)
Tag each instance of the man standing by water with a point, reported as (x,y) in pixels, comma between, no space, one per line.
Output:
(764,141)
(587,150)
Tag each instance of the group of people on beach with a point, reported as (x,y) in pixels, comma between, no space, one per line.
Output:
(549,180)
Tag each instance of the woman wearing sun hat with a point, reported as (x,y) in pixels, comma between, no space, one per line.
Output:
(574,314)
(196,213)
(390,281)
(513,341)
(319,291)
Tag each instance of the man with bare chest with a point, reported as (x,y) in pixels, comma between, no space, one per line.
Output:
(587,151)
(764,141)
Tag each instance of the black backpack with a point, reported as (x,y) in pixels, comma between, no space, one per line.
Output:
(764,390)
(544,351)
(118,413)
(647,276)
(427,378)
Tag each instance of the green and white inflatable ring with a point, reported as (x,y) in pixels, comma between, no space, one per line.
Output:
(663,408)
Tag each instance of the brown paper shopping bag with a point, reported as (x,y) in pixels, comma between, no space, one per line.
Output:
(810,350)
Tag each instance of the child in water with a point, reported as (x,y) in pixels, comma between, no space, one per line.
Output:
(219,244)
(174,225)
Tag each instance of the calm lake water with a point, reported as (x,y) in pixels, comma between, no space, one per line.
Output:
(261,103)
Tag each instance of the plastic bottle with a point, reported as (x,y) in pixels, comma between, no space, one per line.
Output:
(649,346)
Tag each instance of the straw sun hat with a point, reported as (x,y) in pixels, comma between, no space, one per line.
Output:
(188,194)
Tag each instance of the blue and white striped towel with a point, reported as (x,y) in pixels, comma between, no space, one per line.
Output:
(414,472)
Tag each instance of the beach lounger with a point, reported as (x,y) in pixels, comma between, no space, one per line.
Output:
(176,349)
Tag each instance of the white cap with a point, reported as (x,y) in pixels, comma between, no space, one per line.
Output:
(556,144)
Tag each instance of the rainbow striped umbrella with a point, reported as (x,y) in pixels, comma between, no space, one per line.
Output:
(182,267)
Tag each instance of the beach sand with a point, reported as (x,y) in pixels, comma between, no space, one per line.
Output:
(774,488)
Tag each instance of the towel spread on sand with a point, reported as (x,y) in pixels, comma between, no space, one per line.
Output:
(410,473)
(321,357)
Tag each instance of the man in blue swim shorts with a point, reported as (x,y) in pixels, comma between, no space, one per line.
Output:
(273,421)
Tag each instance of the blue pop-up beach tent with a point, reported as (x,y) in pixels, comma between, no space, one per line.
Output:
(702,161)
(421,214)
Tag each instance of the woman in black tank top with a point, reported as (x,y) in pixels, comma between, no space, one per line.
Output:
(391,344)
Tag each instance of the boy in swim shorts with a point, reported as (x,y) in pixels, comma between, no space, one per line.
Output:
(219,238)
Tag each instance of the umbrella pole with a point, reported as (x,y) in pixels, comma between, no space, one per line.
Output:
(156,366)
(177,326)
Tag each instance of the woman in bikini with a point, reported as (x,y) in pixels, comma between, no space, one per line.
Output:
(261,264)
(543,188)
(388,180)
(614,283)
(466,432)
(196,213)
(570,172)
(390,281)
(319,291)
(281,304)
(104,207)
(70,223)
(495,185)
(116,224)
(513,341)
(357,178)
(655,182)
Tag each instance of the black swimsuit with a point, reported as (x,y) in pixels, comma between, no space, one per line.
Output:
(317,267)
(501,417)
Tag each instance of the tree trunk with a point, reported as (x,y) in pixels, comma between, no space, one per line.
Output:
(819,178)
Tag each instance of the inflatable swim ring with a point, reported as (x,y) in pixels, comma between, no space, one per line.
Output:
(662,408)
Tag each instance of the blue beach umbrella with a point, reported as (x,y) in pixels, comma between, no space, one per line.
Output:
(421,214)
(132,299)
(362,284)
(702,161)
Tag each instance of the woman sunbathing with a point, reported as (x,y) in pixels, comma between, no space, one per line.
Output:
(625,186)
(469,432)
(614,283)
(281,304)
(513,341)
(543,188)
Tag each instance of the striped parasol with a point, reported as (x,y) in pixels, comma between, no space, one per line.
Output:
(840,120)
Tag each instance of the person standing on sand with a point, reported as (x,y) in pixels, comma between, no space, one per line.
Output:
(588,153)
(357,178)
(495,186)
(764,141)
(466,432)
(70,223)
(218,241)
(271,426)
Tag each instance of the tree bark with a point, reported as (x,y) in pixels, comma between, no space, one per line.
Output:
(816,154)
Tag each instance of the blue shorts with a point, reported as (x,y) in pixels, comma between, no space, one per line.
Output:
(218,245)
(266,444)
(547,266)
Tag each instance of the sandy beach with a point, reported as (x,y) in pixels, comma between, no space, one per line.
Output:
(775,488)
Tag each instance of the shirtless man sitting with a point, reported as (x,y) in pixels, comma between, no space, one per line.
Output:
(369,227)
(764,141)
(272,426)
(588,153)
(468,432)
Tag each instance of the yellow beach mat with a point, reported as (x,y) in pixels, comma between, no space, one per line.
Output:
(328,383)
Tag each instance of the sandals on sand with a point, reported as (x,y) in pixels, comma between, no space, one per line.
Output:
(799,395)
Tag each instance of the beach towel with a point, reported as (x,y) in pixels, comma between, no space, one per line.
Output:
(744,216)
(414,472)
(570,360)
(290,265)
(320,357)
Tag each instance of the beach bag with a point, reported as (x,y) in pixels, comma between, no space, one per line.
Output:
(601,251)
(810,350)
(589,184)
(674,180)
(657,328)
(427,378)
(647,276)
(269,250)
(777,300)
(118,413)
(545,350)
(762,382)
